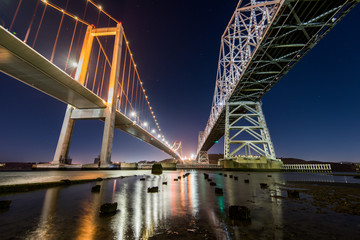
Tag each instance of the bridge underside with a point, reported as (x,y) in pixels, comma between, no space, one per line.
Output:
(297,27)
(23,63)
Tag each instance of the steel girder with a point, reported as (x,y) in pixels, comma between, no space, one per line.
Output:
(262,42)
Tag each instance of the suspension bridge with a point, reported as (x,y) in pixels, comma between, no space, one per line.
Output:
(98,78)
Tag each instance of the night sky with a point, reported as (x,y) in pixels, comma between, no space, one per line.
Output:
(312,113)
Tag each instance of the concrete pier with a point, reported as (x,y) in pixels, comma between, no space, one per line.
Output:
(251,164)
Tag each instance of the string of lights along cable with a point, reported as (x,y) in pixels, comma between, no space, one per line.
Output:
(61,43)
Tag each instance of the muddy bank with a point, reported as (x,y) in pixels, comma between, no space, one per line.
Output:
(338,197)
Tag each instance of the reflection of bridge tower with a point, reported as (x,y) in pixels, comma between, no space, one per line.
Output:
(108,113)
(202,157)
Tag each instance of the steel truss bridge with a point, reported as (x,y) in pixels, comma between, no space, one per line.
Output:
(261,43)
(98,80)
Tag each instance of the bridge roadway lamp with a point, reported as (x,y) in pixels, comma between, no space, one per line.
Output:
(133,114)
(153,131)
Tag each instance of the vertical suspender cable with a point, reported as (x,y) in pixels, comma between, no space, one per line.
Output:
(123,76)
(132,88)
(104,67)
(58,32)
(72,40)
(81,29)
(96,68)
(127,86)
(16,12)
(37,32)
(31,22)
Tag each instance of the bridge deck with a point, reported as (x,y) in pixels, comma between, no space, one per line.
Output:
(297,27)
(23,63)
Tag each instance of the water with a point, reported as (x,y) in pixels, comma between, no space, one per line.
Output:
(187,208)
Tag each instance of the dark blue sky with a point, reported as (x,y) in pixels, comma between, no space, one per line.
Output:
(312,113)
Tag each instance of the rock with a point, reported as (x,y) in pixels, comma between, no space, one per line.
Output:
(269,176)
(219,191)
(230,176)
(225,175)
(175,179)
(5,204)
(156,168)
(248,173)
(236,178)
(293,194)
(66,181)
(142,179)
(246,180)
(220,174)
(239,212)
(107,208)
(212,184)
(96,188)
(164,183)
(99,179)
(263,185)
(153,189)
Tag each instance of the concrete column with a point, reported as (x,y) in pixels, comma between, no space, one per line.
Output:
(62,149)
(108,135)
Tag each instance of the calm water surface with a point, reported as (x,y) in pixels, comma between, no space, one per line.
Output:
(187,208)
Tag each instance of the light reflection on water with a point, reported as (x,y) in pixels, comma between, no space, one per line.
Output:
(187,206)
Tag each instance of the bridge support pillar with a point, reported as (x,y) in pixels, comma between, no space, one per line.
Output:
(203,157)
(109,126)
(62,149)
(247,142)
(108,113)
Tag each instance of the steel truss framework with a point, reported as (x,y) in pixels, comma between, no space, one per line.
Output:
(262,42)
(246,130)
(202,156)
